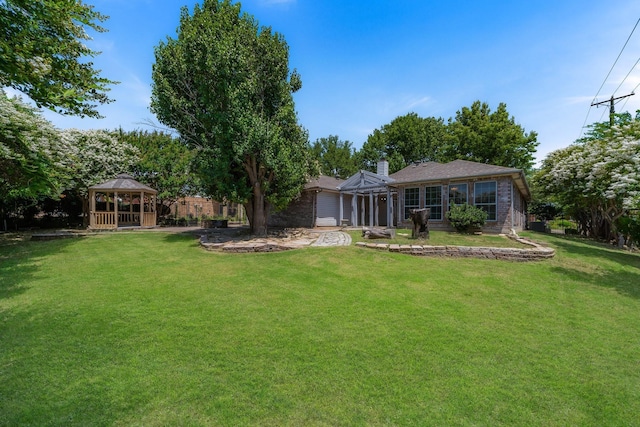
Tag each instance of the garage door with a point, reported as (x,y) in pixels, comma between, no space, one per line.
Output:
(328,209)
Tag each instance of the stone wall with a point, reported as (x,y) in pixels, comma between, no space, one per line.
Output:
(536,253)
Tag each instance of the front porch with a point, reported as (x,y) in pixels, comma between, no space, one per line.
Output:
(370,195)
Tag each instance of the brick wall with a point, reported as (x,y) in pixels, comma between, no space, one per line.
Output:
(299,213)
(193,206)
(503,223)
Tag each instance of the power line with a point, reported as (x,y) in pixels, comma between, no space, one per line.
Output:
(625,101)
(593,102)
(616,61)
(612,109)
(625,77)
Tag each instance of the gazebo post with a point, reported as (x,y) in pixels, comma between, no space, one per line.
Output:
(92,208)
(142,208)
(115,208)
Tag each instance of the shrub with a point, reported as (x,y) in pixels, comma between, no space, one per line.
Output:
(466,217)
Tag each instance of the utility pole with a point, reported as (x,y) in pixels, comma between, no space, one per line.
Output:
(612,108)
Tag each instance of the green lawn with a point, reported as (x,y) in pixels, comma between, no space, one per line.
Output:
(148,329)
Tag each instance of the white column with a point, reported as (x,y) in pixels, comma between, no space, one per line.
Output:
(362,213)
(354,210)
(389,209)
(371,213)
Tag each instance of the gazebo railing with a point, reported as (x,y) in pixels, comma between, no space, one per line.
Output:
(149,219)
(103,220)
(129,218)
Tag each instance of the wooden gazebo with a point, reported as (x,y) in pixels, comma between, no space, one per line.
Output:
(121,202)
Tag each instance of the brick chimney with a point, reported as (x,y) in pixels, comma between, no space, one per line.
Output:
(383,167)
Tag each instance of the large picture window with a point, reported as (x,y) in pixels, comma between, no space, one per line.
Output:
(457,194)
(411,200)
(433,201)
(486,199)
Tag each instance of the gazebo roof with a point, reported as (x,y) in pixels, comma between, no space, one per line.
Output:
(125,182)
(364,181)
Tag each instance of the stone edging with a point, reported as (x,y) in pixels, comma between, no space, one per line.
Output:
(538,252)
(262,245)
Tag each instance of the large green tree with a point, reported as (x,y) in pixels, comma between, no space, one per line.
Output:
(407,139)
(43,54)
(334,156)
(224,84)
(480,135)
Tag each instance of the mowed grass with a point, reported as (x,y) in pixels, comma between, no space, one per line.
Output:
(148,329)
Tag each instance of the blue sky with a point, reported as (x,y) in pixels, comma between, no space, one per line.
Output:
(364,63)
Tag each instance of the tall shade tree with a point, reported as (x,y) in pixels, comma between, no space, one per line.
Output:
(480,135)
(43,51)
(34,159)
(224,84)
(407,139)
(164,164)
(334,156)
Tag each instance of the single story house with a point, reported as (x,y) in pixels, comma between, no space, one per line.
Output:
(316,206)
(380,199)
(500,191)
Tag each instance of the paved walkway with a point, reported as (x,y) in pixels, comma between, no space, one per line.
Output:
(333,238)
(295,240)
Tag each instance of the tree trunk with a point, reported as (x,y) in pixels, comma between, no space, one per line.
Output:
(85,211)
(257,211)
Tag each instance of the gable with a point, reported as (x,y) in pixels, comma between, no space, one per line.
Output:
(365,181)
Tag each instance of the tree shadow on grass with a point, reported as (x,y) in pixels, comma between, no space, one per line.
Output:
(589,248)
(19,261)
(224,234)
(625,281)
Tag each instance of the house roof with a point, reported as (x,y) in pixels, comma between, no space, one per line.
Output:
(323,183)
(458,169)
(123,182)
(366,181)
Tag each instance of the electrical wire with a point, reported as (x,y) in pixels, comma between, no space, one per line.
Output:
(633,91)
(605,80)
(616,61)
(625,77)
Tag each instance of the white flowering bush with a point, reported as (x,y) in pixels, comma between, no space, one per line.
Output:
(34,159)
(597,180)
(98,155)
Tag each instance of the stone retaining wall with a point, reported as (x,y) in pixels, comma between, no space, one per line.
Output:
(537,252)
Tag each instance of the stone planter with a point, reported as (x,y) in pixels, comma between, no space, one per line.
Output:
(215,223)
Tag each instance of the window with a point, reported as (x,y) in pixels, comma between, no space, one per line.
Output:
(457,194)
(433,201)
(411,200)
(485,198)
